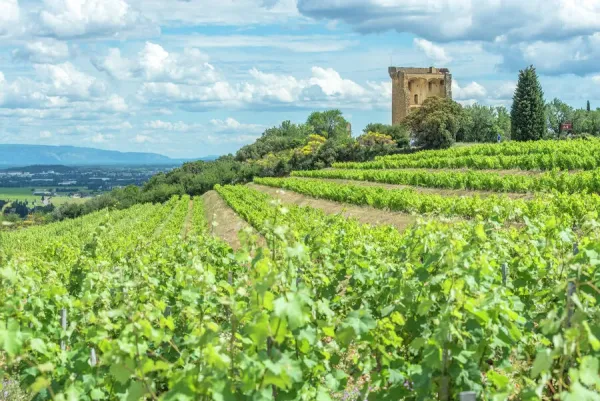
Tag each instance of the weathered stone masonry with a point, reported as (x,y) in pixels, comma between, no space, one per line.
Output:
(411,86)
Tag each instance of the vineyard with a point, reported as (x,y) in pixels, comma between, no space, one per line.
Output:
(487,293)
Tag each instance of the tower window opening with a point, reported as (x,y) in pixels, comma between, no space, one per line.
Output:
(416,99)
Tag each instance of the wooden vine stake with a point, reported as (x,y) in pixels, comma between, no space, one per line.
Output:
(571,290)
(504,273)
(93,357)
(63,324)
(468,396)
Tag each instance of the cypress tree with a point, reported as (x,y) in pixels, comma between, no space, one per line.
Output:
(589,108)
(527,116)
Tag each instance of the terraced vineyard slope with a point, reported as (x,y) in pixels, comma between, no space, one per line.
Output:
(497,295)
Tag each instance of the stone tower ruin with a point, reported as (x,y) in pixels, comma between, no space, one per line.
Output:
(411,86)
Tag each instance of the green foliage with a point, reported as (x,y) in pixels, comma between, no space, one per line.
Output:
(330,309)
(527,113)
(585,181)
(574,207)
(580,154)
(276,139)
(331,124)
(435,124)
(484,124)
(399,133)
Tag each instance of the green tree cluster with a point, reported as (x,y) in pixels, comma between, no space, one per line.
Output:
(484,124)
(585,121)
(435,124)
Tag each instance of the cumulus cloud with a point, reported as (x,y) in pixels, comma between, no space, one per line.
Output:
(231,125)
(578,55)
(463,20)
(324,88)
(470,93)
(66,80)
(45,134)
(154,63)
(178,126)
(9,17)
(43,51)
(434,52)
(81,18)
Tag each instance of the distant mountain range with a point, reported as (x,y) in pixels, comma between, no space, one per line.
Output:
(26,155)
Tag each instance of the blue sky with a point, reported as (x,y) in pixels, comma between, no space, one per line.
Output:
(197,77)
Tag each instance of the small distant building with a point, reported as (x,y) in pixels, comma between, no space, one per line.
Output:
(67,183)
(411,86)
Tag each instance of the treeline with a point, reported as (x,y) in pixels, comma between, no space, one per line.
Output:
(323,139)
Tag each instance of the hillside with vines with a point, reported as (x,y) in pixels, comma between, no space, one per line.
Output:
(490,293)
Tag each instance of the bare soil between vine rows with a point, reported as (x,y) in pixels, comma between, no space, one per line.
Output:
(364,214)
(228,222)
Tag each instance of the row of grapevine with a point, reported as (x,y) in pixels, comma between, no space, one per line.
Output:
(70,327)
(580,147)
(332,309)
(576,207)
(585,181)
(562,161)
(440,309)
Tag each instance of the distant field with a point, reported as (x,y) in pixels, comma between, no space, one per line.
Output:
(26,194)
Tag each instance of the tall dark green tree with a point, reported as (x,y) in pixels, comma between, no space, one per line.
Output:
(527,113)
(589,108)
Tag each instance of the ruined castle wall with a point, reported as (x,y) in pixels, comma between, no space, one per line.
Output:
(411,86)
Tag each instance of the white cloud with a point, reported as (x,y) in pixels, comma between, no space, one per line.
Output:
(9,16)
(114,64)
(43,51)
(45,134)
(101,138)
(210,12)
(472,91)
(434,52)
(515,20)
(231,125)
(178,126)
(116,103)
(294,43)
(142,139)
(66,80)
(154,63)
(77,18)
(505,90)
(324,88)
(578,55)
(333,84)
